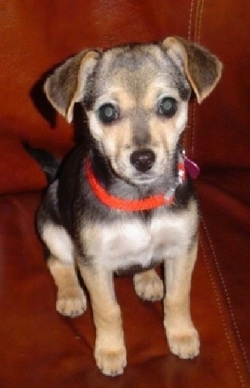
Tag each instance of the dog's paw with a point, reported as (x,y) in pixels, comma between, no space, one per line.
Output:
(148,285)
(71,303)
(111,362)
(185,344)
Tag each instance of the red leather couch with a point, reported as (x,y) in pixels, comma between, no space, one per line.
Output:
(40,348)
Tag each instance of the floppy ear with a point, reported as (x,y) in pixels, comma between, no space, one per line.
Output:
(66,85)
(202,69)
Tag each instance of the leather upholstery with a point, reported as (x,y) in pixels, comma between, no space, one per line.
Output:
(39,347)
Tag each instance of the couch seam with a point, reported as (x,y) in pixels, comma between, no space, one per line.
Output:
(199,19)
(187,139)
(226,294)
(191,11)
(232,346)
(197,38)
(194,23)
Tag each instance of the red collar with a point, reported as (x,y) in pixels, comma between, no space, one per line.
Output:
(134,205)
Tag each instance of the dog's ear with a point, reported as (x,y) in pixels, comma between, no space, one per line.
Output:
(202,69)
(66,85)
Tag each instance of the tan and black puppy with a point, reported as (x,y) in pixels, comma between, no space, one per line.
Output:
(127,201)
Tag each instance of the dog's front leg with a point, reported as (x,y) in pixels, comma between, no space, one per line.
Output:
(110,351)
(182,336)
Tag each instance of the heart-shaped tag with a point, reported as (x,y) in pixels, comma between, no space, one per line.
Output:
(192,168)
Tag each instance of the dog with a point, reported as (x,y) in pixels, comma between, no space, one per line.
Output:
(126,200)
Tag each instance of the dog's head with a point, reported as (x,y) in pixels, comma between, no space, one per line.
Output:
(136,100)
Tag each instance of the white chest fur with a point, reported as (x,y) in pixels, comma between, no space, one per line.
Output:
(135,242)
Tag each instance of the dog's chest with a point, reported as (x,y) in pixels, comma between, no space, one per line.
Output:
(134,242)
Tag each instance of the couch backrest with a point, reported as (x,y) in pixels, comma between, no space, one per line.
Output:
(37,35)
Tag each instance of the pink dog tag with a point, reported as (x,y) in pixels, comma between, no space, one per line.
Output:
(192,168)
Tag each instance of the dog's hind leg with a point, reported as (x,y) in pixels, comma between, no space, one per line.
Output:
(71,300)
(148,285)
(110,351)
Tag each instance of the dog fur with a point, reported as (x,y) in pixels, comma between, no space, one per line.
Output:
(136,101)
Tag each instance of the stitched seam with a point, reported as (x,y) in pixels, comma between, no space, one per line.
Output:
(200,7)
(227,296)
(189,134)
(190,19)
(219,302)
(198,23)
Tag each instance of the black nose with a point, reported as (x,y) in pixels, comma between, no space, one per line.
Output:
(142,160)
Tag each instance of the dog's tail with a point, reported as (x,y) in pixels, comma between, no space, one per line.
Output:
(48,162)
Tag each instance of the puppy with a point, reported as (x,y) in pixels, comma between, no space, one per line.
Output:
(126,200)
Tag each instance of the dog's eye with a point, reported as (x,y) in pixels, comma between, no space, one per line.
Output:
(108,113)
(167,107)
